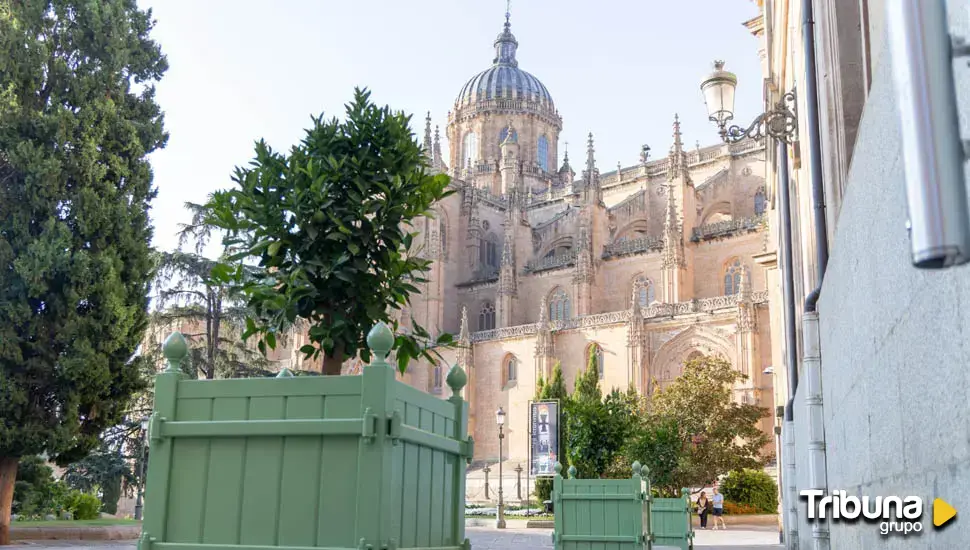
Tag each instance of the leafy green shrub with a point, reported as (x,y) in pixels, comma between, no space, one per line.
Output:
(83,505)
(36,493)
(543,490)
(753,488)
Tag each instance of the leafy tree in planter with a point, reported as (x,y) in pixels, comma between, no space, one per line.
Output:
(330,227)
(78,120)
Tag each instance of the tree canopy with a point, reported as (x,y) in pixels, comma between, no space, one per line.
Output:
(78,119)
(330,225)
(696,431)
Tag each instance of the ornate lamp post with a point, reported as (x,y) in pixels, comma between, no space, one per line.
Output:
(780,123)
(500,513)
(141,470)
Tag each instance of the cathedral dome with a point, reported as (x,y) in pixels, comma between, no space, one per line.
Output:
(505,80)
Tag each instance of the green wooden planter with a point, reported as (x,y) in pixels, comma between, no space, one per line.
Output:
(670,522)
(363,462)
(601,513)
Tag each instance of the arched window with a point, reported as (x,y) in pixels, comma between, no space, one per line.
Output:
(488,251)
(511,369)
(759,202)
(597,352)
(486,319)
(469,148)
(559,305)
(504,133)
(543,153)
(645,292)
(732,277)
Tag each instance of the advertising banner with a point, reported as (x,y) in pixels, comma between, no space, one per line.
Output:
(544,447)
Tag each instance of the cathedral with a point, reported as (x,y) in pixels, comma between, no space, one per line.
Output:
(643,267)
(534,263)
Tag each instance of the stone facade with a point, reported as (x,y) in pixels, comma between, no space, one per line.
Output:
(535,263)
(887,342)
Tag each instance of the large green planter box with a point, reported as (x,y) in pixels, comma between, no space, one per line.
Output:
(363,462)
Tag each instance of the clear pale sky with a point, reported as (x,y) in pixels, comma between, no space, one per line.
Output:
(246,69)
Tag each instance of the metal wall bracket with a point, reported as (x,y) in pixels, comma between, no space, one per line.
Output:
(155,427)
(394,427)
(369,429)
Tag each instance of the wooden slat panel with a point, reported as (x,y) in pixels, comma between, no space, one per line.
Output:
(299,490)
(428,402)
(339,498)
(270,387)
(224,482)
(256,428)
(261,476)
(187,484)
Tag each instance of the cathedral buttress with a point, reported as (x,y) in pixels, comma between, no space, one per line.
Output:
(676,281)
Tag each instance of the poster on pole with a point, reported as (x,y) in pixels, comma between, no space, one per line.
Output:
(544,447)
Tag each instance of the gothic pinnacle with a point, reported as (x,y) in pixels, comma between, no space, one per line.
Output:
(427,137)
(678,143)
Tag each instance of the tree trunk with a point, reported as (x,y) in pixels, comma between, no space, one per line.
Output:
(8,475)
(333,363)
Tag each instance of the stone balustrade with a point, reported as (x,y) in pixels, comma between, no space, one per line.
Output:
(632,246)
(551,262)
(726,228)
(654,311)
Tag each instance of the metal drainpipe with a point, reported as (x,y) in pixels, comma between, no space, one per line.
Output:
(791,346)
(817,475)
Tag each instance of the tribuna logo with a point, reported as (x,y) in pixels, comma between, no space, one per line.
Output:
(896,514)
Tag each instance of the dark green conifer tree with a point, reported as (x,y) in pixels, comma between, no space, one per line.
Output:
(78,119)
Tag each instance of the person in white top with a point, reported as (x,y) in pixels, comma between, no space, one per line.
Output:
(718,500)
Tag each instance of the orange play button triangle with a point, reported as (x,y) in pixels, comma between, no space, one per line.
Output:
(942,512)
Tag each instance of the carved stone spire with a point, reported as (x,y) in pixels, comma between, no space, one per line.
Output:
(584,258)
(464,341)
(506,283)
(437,160)
(591,176)
(427,138)
(678,157)
(678,145)
(544,341)
(673,251)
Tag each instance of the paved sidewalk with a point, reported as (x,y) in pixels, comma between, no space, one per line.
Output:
(484,538)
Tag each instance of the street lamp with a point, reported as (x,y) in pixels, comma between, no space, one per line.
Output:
(500,514)
(141,469)
(718,88)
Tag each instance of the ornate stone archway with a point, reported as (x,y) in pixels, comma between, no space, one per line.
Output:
(669,359)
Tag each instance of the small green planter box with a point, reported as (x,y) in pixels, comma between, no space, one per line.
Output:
(670,522)
(601,513)
(361,462)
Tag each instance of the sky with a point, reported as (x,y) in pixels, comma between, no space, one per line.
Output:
(244,70)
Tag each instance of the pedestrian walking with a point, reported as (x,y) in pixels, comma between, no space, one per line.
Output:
(703,504)
(718,500)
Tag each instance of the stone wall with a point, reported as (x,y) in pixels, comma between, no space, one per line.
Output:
(894,358)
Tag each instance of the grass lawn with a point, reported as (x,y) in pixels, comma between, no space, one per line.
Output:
(78,523)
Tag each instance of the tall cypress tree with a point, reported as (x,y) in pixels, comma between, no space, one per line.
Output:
(78,118)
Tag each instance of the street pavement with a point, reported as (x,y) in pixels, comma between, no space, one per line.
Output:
(488,538)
